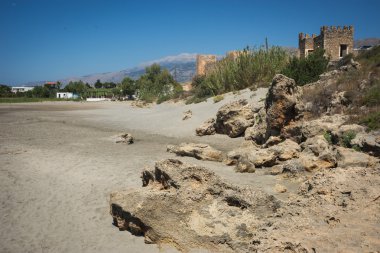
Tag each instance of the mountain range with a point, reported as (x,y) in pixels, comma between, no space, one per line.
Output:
(181,66)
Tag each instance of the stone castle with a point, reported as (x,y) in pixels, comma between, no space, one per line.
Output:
(204,63)
(336,41)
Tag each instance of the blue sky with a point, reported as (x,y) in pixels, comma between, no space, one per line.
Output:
(54,39)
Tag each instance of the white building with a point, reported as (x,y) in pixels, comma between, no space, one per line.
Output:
(21,89)
(65,95)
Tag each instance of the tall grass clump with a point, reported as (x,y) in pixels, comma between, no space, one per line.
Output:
(251,67)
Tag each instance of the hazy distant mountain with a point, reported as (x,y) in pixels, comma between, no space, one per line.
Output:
(181,66)
(367,42)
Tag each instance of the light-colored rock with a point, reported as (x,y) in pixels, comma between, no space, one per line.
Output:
(125,138)
(286,150)
(207,128)
(257,132)
(280,188)
(234,118)
(187,115)
(348,157)
(368,142)
(197,150)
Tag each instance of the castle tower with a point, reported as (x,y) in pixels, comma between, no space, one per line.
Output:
(336,41)
(204,63)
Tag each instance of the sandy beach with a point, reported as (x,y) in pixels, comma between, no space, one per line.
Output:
(59,163)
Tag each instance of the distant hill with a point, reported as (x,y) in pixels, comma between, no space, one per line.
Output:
(181,66)
(367,42)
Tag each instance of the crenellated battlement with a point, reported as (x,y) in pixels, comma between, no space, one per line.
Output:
(335,29)
(337,41)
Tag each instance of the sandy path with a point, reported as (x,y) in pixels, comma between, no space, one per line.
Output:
(59,165)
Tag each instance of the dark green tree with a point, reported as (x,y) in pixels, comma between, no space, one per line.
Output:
(98,84)
(128,86)
(157,85)
(308,69)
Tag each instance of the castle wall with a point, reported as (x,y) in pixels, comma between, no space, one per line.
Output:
(204,63)
(334,37)
(331,40)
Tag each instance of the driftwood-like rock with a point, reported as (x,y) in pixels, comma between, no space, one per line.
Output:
(191,207)
(125,138)
(197,150)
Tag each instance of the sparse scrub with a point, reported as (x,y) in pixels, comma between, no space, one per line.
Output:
(372,120)
(346,139)
(250,67)
(218,98)
(328,137)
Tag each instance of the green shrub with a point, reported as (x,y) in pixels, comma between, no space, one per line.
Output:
(195,100)
(346,138)
(218,98)
(157,84)
(328,137)
(306,70)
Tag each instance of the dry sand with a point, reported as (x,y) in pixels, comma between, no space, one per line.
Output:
(59,164)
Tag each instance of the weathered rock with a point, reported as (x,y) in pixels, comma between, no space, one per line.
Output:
(350,158)
(125,138)
(301,130)
(191,207)
(207,128)
(197,150)
(282,104)
(234,118)
(264,157)
(280,188)
(257,132)
(338,103)
(255,155)
(286,150)
(187,115)
(272,140)
(368,142)
(318,154)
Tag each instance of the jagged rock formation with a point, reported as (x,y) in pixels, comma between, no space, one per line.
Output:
(197,150)
(191,207)
(282,104)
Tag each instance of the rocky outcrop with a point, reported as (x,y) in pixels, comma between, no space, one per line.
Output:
(350,158)
(191,207)
(257,157)
(283,104)
(234,118)
(207,128)
(197,150)
(125,138)
(368,142)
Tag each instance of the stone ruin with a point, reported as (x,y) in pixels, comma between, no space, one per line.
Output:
(204,63)
(336,41)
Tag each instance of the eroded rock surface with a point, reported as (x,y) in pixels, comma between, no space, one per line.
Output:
(197,150)
(191,207)
(125,138)
(283,104)
(207,128)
